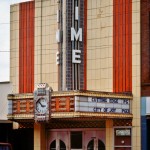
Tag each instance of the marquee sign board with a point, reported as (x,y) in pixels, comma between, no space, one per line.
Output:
(42,102)
(101,104)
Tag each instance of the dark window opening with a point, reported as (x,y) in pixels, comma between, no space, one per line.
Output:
(76,140)
(90,145)
(62,145)
(53,145)
(101,145)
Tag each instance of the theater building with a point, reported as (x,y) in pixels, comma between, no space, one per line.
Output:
(76,74)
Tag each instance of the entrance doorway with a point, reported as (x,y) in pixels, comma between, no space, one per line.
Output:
(57,140)
(61,145)
(81,139)
(96,144)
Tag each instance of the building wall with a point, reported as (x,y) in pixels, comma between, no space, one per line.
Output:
(99,45)
(46,70)
(136,75)
(5,88)
(14,47)
(22,47)
(100,56)
(145,38)
(122,46)
(26,47)
(33,49)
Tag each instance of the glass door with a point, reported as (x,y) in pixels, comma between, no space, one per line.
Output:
(61,145)
(92,145)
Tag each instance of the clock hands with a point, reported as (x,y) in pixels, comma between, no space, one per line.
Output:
(42,104)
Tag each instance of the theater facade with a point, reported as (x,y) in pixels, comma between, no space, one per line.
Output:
(76,73)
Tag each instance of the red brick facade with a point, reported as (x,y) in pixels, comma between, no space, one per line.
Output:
(145,47)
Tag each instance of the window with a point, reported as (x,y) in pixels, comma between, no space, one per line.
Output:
(53,145)
(61,145)
(76,140)
(90,145)
(101,145)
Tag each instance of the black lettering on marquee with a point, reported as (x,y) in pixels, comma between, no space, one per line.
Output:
(125,111)
(112,110)
(97,109)
(113,100)
(125,101)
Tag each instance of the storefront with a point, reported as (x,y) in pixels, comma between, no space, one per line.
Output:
(76,120)
(66,139)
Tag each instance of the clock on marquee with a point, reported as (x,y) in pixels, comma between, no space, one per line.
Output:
(42,96)
(42,105)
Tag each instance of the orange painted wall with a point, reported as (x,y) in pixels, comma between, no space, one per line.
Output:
(26,47)
(122,46)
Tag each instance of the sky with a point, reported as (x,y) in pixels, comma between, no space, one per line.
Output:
(5,38)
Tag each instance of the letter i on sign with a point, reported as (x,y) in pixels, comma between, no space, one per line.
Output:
(76,13)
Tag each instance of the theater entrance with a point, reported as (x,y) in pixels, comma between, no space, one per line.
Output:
(81,139)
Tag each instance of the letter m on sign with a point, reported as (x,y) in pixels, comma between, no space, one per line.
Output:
(75,35)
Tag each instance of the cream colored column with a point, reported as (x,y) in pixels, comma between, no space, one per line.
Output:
(136,75)
(38,43)
(99,45)
(39,137)
(109,135)
(45,68)
(14,47)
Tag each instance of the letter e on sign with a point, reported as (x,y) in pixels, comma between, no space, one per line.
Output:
(76,56)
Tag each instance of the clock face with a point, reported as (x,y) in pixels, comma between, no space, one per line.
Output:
(42,105)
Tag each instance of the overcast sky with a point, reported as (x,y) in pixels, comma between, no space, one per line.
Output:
(5,37)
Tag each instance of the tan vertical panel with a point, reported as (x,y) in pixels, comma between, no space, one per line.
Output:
(109,135)
(37,43)
(99,45)
(14,47)
(136,75)
(45,43)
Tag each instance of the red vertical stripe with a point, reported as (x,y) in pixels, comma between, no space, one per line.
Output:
(68,104)
(26,47)
(57,104)
(120,50)
(122,45)
(85,44)
(116,43)
(130,45)
(127,45)
(32,46)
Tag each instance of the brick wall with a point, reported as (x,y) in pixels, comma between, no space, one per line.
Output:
(145,48)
